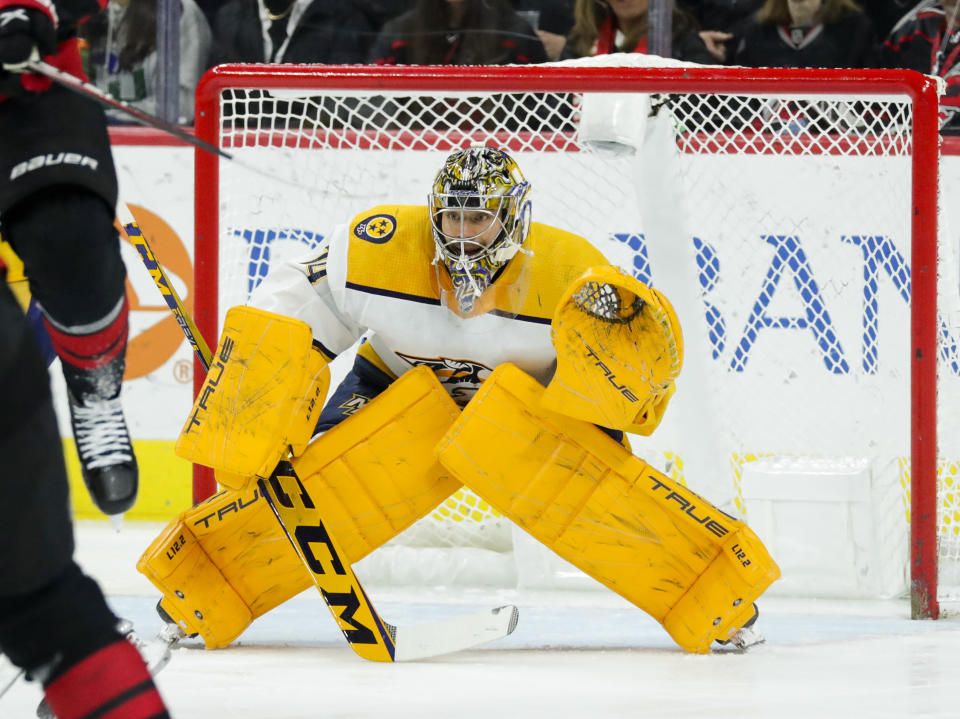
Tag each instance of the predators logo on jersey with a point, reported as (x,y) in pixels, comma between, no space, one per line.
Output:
(377,229)
(461,378)
(316,269)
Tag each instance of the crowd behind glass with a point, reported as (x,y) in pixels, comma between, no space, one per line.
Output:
(121,58)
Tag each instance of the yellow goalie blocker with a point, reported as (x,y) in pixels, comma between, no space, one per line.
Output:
(264,388)
(693,568)
(619,351)
(227,561)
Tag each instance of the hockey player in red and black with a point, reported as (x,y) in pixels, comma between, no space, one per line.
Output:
(927,39)
(54,622)
(57,199)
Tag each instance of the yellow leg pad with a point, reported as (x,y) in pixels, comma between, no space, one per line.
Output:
(374,474)
(721,599)
(379,472)
(585,496)
(193,587)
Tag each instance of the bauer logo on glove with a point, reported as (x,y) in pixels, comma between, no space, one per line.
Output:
(619,351)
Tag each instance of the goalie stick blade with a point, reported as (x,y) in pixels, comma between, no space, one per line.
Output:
(367,633)
(453,635)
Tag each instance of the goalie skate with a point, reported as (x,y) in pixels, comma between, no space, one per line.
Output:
(171,632)
(746,636)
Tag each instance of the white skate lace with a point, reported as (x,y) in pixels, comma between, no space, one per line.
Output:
(100,433)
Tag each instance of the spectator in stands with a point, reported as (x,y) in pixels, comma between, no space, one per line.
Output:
(885,15)
(326,31)
(601,27)
(209,8)
(927,39)
(806,33)
(720,18)
(122,55)
(458,32)
(379,11)
(552,20)
(721,15)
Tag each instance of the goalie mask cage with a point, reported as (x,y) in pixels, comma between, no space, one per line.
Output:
(790,215)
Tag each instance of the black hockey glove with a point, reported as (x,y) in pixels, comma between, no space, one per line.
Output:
(21,30)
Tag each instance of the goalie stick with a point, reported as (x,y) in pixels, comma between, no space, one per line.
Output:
(365,631)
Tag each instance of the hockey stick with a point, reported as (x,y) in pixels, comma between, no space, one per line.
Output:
(365,631)
(71,82)
(160,279)
(94,93)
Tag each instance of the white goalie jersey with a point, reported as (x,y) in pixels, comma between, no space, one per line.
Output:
(376,278)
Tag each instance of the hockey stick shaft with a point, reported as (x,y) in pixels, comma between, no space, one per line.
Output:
(368,635)
(93,92)
(135,234)
(97,95)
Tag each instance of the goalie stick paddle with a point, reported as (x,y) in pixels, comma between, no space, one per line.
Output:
(365,631)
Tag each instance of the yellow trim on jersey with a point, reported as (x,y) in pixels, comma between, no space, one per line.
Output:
(391,252)
(370,354)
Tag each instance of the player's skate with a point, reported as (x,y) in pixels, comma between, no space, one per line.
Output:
(156,656)
(747,635)
(106,455)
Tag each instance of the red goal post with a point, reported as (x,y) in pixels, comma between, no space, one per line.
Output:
(324,137)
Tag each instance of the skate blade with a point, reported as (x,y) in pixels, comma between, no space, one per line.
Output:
(116,521)
(746,637)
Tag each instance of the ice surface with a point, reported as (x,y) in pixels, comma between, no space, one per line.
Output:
(572,655)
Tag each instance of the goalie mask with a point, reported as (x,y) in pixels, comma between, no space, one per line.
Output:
(480,216)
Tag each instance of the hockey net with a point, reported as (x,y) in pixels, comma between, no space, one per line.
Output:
(784,212)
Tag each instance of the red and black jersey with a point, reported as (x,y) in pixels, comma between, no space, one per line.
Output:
(921,42)
(65,15)
(686,43)
(509,40)
(848,42)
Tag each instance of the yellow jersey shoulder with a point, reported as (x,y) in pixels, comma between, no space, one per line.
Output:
(390,248)
(559,257)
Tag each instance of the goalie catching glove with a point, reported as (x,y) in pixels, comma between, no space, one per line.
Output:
(619,351)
